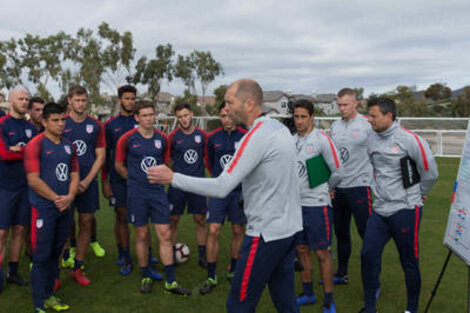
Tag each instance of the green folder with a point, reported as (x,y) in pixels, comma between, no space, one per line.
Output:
(318,171)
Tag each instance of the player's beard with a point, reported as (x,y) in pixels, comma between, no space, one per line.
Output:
(126,110)
(188,127)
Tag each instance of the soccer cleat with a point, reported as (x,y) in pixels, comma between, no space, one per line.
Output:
(202,262)
(126,269)
(155,275)
(120,262)
(146,285)
(57,285)
(30,266)
(16,280)
(73,252)
(229,276)
(55,304)
(303,299)
(340,280)
(176,289)
(378,292)
(331,308)
(80,277)
(209,284)
(407,311)
(39,310)
(97,249)
(67,263)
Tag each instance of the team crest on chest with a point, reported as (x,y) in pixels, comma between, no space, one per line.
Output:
(158,143)
(395,149)
(89,128)
(197,139)
(309,148)
(28,132)
(67,149)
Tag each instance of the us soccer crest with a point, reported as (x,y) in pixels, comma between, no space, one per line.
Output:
(197,138)
(68,150)
(39,223)
(309,148)
(89,128)
(28,132)
(158,143)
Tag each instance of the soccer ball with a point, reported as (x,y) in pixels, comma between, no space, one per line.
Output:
(181,253)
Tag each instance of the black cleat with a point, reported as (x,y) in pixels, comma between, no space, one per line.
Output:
(17,280)
(202,263)
(146,285)
(210,284)
(176,289)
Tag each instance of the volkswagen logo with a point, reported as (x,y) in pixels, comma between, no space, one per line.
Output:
(148,162)
(190,156)
(62,171)
(302,169)
(225,159)
(343,154)
(81,147)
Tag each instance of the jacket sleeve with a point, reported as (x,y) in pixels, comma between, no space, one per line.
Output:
(420,152)
(247,156)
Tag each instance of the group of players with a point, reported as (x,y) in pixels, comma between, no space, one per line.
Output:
(66,148)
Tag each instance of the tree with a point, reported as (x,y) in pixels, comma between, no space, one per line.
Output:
(207,69)
(184,69)
(359,93)
(461,105)
(438,92)
(153,72)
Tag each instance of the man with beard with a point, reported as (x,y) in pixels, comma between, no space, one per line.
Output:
(185,153)
(35,107)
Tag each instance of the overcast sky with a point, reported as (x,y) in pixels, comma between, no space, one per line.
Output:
(297,46)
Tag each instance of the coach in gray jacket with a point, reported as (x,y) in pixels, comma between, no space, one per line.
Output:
(265,163)
(404,172)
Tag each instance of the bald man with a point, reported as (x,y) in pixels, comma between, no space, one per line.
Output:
(265,163)
(15,211)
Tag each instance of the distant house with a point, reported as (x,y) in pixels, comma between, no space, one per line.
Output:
(275,102)
(326,102)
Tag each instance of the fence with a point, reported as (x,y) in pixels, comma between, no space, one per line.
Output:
(446,136)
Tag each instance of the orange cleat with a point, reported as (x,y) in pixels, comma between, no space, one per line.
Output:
(57,285)
(80,277)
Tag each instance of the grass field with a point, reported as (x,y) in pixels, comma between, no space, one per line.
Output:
(110,292)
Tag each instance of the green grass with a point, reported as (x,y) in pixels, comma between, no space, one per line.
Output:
(110,292)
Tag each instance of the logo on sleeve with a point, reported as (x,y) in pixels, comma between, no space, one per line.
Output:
(158,143)
(343,154)
(148,162)
(67,150)
(21,144)
(225,160)
(62,172)
(81,147)
(89,128)
(28,133)
(197,139)
(190,156)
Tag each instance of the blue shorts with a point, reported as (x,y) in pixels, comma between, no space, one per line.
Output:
(318,230)
(229,206)
(14,208)
(178,199)
(119,198)
(89,201)
(142,206)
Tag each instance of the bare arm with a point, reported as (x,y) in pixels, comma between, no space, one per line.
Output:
(121,169)
(99,161)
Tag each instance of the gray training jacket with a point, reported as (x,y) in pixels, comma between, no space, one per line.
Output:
(351,137)
(385,150)
(309,146)
(265,163)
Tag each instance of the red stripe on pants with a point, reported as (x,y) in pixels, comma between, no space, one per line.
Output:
(416,230)
(248,268)
(34,235)
(369,200)
(327,223)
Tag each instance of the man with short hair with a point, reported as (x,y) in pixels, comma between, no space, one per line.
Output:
(15,210)
(404,172)
(220,148)
(352,196)
(313,145)
(136,151)
(35,107)
(185,153)
(265,163)
(52,171)
(87,135)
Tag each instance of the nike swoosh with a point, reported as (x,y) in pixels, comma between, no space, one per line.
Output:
(117,129)
(179,141)
(218,144)
(68,130)
(135,146)
(49,152)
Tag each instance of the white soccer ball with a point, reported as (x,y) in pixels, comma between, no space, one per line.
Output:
(181,253)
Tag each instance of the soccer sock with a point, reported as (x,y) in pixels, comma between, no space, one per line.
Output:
(169,273)
(66,254)
(93,238)
(211,269)
(174,253)
(73,243)
(328,298)
(12,268)
(78,265)
(308,288)
(233,263)
(202,251)
(119,249)
(145,271)
(150,255)
(126,254)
